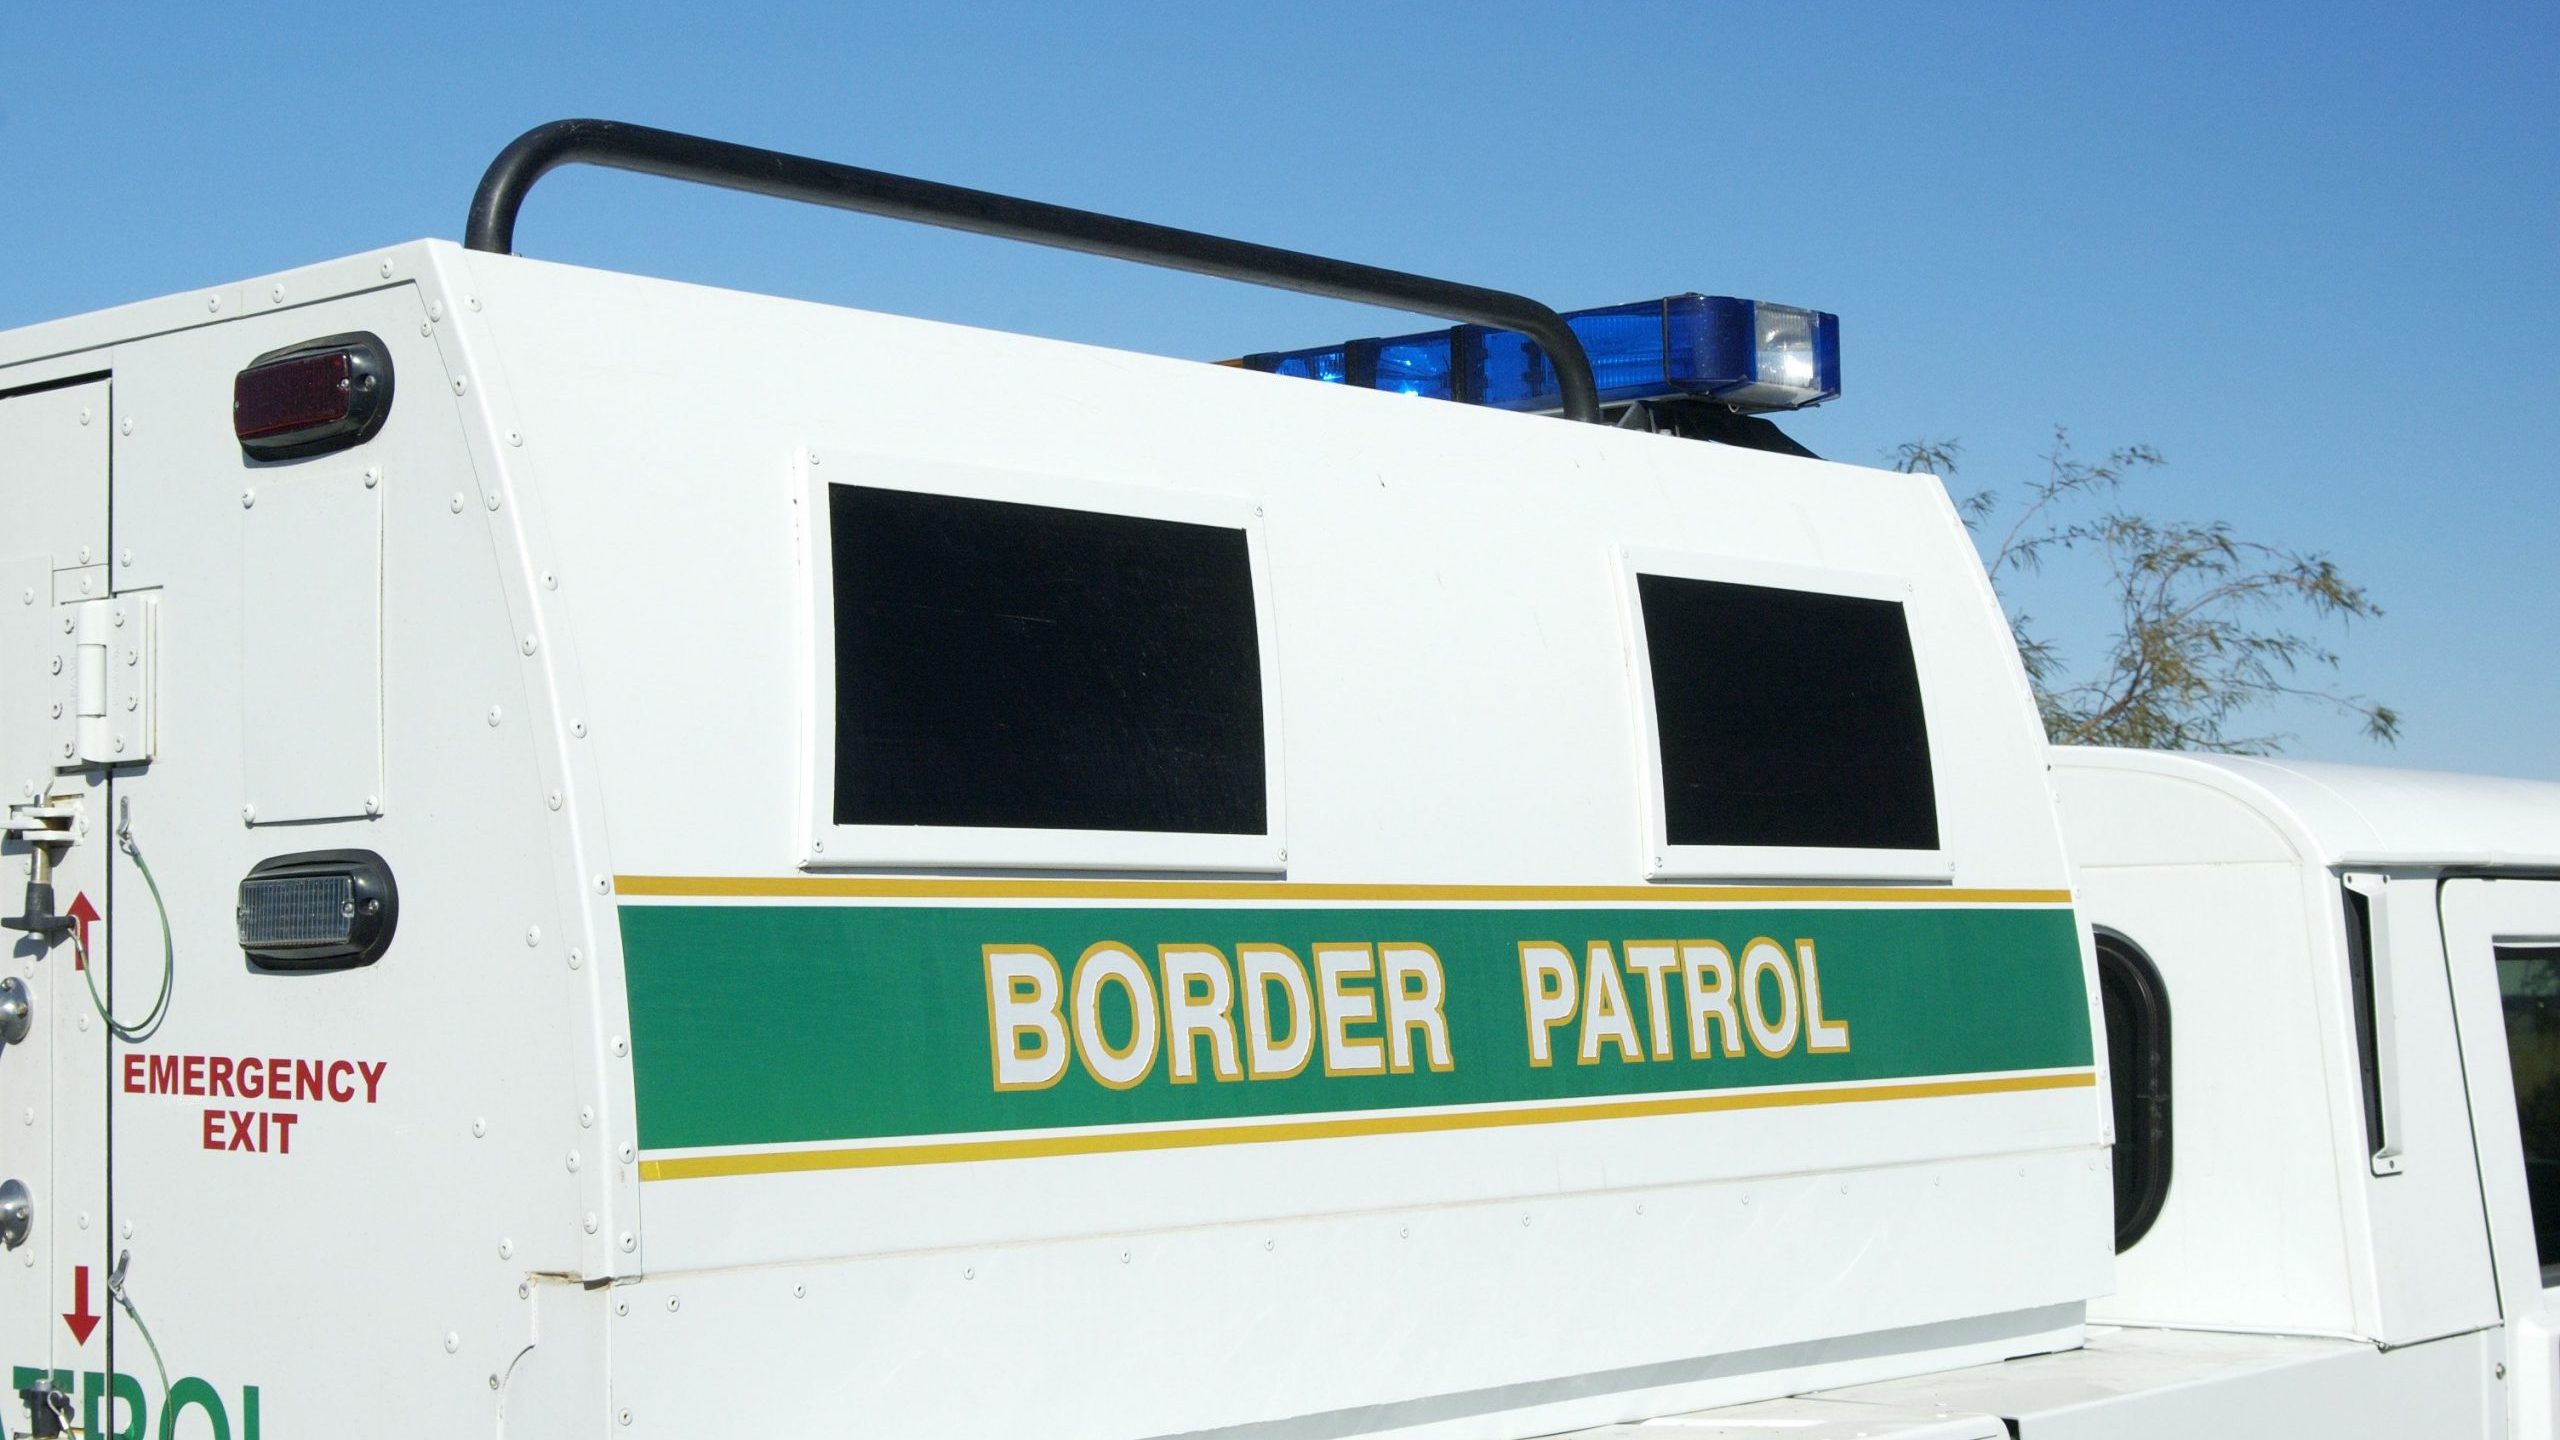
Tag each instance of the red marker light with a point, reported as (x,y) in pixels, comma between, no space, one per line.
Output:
(312,398)
(291,395)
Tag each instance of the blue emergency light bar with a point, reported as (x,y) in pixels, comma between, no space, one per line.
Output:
(1750,355)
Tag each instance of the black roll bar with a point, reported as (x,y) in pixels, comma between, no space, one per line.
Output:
(669,155)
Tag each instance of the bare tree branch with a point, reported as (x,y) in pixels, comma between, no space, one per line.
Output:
(2199,640)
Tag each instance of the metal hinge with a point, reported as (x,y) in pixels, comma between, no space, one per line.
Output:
(103,707)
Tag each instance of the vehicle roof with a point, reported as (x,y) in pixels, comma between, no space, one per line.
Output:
(2370,814)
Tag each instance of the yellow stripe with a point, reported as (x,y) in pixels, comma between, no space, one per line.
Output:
(949,1152)
(864,887)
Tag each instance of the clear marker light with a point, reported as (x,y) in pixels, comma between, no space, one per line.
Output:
(1750,355)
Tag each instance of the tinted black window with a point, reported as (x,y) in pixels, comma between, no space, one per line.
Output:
(2529,993)
(1787,718)
(2136,1004)
(1027,666)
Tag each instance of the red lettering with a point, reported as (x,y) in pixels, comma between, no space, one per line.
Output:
(132,1073)
(279,1078)
(213,1130)
(240,1129)
(372,1076)
(195,1075)
(306,1079)
(164,1074)
(340,1070)
(217,1075)
(284,1131)
(252,1080)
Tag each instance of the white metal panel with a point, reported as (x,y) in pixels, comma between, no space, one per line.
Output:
(1521,1317)
(2480,915)
(2120,815)
(30,638)
(1445,594)
(2253,1233)
(2140,1384)
(53,460)
(1807,1419)
(405,1218)
(2427,1242)
(311,641)
(2370,815)
(1454,669)
(53,511)
(1868,1150)
(2261,1005)
(1455,707)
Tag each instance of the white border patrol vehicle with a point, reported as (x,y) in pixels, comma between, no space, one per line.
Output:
(607,858)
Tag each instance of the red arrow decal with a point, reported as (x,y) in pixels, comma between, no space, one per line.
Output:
(84,912)
(81,1318)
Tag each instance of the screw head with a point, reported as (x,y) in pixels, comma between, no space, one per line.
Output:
(452,1342)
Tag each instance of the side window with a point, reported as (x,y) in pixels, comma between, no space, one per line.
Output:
(2136,1003)
(1014,667)
(2529,994)
(1789,735)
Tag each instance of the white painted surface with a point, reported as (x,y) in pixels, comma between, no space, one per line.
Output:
(2275,1218)
(311,640)
(2134,1384)
(594,625)
(2481,915)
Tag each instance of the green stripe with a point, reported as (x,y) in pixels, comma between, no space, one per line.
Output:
(781,1024)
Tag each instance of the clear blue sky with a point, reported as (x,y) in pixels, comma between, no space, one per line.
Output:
(2306,250)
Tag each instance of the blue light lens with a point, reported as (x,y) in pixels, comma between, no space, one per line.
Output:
(1750,355)
(1416,365)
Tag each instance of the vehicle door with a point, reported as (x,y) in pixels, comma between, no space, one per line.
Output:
(2502,942)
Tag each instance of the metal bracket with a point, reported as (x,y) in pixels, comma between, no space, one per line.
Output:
(104,683)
